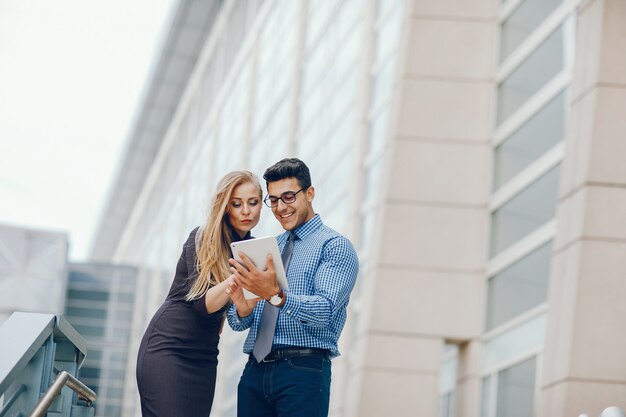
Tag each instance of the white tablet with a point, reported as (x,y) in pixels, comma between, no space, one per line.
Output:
(257,250)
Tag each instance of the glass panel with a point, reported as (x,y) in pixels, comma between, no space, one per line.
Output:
(87,331)
(383,82)
(113,410)
(539,68)
(127,298)
(88,295)
(372,181)
(526,337)
(519,287)
(367,227)
(378,132)
(89,372)
(516,390)
(524,20)
(72,312)
(531,208)
(446,406)
(485,397)
(540,133)
(388,38)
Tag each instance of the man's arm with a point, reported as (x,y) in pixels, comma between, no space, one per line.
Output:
(334,281)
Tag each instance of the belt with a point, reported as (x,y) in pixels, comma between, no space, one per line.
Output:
(280,354)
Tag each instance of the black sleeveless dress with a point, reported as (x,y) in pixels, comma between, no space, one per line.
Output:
(177,360)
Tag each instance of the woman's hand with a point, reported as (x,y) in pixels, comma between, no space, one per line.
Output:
(244,307)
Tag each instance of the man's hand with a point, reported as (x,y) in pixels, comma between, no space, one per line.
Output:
(248,276)
(244,307)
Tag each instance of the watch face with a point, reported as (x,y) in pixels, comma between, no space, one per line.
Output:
(275,300)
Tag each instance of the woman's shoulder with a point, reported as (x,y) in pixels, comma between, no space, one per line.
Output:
(193,237)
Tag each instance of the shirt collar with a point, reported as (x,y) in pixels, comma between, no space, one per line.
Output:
(307,228)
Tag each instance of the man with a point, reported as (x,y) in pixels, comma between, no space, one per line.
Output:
(293,334)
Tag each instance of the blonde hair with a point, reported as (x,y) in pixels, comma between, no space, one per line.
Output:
(214,238)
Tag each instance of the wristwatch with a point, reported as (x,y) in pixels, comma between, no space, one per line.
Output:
(277,300)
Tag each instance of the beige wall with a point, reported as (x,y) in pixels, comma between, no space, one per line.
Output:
(584,368)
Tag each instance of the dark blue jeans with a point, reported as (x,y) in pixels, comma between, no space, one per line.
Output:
(294,387)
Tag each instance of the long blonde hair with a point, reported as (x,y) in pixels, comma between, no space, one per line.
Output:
(214,238)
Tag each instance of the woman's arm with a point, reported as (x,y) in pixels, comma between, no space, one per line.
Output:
(216,297)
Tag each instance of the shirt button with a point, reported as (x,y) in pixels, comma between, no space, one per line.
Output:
(288,311)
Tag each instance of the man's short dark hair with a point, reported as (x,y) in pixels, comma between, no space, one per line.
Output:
(289,168)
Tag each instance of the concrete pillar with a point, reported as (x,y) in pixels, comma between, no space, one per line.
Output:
(584,366)
(428,273)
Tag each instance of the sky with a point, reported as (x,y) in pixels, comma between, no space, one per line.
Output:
(71,76)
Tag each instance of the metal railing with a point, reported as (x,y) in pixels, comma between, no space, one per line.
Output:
(40,355)
(63,379)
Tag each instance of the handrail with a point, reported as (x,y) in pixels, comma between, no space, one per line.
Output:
(24,333)
(63,379)
(33,348)
(20,338)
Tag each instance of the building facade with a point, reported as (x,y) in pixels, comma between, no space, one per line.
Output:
(33,271)
(473,152)
(100,305)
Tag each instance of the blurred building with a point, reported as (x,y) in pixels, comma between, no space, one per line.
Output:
(100,300)
(471,149)
(97,300)
(33,271)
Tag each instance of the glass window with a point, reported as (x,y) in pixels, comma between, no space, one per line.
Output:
(516,342)
(116,374)
(367,229)
(337,215)
(447,379)
(539,68)
(113,410)
(383,82)
(87,331)
(446,405)
(92,313)
(88,295)
(516,390)
(385,5)
(531,208)
(124,315)
(86,372)
(388,38)
(540,133)
(378,132)
(485,397)
(342,136)
(94,354)
(340,175)
(372,181)
(126,298)
(344,97)
(522,22)
(519,287)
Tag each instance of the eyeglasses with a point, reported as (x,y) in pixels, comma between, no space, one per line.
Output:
(287,197)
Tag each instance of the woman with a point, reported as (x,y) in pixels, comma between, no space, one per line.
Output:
(177,361)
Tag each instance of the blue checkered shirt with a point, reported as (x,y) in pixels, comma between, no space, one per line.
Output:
(321,275)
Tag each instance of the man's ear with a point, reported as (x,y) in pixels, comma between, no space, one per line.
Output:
(310,193)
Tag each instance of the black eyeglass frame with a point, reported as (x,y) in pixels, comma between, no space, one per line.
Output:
(268,199)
